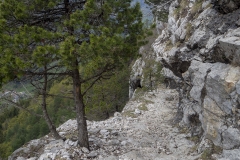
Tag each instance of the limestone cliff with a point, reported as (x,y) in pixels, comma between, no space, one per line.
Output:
(200,52)
(199,49)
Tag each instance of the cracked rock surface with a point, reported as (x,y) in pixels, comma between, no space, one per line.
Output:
(199,50)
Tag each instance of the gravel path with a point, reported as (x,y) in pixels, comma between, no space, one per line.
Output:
(153,135)
(143,131)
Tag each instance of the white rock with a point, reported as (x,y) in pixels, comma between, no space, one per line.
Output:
(85,150)
(104,132)
(137,111)
(92,154)
(117,114)
(114,142)
(20,158)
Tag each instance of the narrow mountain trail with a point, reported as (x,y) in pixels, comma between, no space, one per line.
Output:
(153,134)
(143,131)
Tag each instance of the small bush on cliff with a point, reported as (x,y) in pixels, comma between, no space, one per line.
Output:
(196,7)
(181,10)
(189,29)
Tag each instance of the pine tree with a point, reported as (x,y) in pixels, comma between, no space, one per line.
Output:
(83,39)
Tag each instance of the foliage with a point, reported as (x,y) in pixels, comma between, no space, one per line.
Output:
(189,29)
(129,113)
(159,14)
(195,139)
(168,46)
(5,149)
(60,103)
(206,155)
(196,7)
(107,96)
(181,10)
(18,86)
(156,2)
(18,127)
(84,40)
(217,149)
(100,36)
(152,74)
(143,107)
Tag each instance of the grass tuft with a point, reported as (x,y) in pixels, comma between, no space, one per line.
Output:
(169,46)
(189,29)
(197,7)
(143,107)
(129,113)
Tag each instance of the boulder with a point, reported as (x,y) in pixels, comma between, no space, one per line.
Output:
(229,50)
(220,83)
(226,6)
(198,72)
(230,154)
(212,121)
(231,138)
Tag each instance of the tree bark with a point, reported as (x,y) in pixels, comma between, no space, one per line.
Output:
(80,109)
(49,122)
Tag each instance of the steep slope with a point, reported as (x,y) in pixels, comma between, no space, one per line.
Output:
(142,131)
(200,50)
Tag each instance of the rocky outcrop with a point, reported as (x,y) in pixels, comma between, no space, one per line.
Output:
(228,48)
(200,50)
(136,76)
(142,131)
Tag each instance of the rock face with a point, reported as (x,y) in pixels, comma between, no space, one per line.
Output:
(200,50)
(135,77)
(142,131)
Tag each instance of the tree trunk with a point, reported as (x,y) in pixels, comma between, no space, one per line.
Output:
(46,117)
(78,98)
(80,109)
